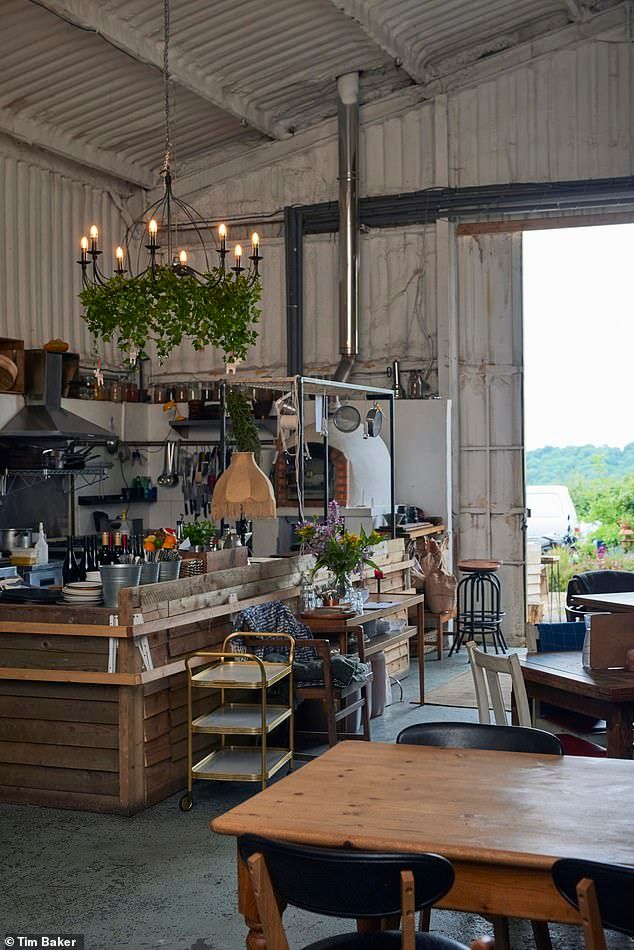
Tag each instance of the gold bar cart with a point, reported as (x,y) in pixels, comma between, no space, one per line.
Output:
(239,671)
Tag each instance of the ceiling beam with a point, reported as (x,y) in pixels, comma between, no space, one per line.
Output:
(88,15)
(577,10)
(368,15)
(43,135)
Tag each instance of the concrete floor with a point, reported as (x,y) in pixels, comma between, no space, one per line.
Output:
(161,879)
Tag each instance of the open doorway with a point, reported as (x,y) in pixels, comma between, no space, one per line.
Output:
(579,425)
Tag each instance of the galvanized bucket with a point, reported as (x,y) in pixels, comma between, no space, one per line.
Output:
(169,570)
(114,577)
(150,572)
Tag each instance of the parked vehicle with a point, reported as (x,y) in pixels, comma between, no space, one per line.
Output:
(552,517)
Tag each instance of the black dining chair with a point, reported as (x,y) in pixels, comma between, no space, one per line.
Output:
(348,884)
(602,893)
(475,735)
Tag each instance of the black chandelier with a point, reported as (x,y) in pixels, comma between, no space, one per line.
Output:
(158,219)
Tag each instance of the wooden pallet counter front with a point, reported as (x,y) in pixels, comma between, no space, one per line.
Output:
(93,716)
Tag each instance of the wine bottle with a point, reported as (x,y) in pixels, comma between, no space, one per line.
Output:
(69,566)
(112,547)
(80,569)
(105,555)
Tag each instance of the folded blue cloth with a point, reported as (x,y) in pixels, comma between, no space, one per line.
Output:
(560,637)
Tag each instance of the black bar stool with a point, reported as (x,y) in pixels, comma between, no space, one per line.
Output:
(479,605)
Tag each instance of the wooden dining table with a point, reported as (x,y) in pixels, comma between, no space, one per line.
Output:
(501,818)
(560,679)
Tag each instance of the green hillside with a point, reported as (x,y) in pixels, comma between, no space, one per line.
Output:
(566,466)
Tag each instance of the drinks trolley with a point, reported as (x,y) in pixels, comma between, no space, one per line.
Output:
(239,671)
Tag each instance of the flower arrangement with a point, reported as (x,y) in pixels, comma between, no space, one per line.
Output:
(336,549)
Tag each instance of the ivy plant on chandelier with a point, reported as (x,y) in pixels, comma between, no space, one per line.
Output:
(168,300)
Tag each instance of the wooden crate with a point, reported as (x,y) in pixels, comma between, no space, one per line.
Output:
(397,659)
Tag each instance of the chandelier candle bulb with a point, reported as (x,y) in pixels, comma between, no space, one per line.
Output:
(84,248)
(152,230)
(222,231)
(238,265)
(183,257)
(118,255)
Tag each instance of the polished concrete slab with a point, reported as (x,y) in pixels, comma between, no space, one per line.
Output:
(161,879)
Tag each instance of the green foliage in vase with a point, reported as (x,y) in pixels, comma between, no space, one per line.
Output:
(165,307)
(243,424)
(200,532)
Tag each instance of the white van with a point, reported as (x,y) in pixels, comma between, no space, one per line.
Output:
(551,513)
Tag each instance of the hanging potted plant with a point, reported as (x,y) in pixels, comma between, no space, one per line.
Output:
(243,490)
(164,306)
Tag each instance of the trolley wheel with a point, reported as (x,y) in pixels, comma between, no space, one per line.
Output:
(186,803)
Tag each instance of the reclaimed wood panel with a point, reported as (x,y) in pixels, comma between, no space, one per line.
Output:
(92,735)
(84,781)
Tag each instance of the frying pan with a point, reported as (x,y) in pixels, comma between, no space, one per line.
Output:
(374,421)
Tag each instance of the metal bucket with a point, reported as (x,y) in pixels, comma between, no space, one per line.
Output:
(114,577)
(150,572)
(169,570)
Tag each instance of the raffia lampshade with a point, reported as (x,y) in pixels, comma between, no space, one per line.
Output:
(243,489)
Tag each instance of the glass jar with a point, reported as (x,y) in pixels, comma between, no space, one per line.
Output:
(116,391)
(307,596)
(132,392)
(101,392)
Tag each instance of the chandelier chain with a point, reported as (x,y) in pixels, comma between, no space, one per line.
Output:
(166,85)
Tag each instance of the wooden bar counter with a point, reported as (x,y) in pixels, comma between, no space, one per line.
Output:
(94,716)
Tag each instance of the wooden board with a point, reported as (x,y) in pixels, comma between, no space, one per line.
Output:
(611,636)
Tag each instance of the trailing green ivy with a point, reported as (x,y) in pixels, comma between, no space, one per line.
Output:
(164,307)
(243,424)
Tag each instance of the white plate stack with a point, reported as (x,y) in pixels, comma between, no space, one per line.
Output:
(88,593)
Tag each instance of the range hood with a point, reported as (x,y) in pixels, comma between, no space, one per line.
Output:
(42,419)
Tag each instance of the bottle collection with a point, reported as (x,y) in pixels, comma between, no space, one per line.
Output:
(89,553)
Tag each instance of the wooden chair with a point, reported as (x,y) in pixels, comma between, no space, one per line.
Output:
(602,893)
(335,699)
(359,885)
(486,670)
(474,735)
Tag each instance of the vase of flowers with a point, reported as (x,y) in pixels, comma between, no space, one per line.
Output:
(339,551)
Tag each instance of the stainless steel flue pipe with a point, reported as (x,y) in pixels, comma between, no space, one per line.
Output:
(348,113)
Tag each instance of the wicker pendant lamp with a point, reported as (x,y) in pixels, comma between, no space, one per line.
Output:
(243,490)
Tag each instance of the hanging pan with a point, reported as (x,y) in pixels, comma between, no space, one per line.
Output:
(346,418)
(374,421)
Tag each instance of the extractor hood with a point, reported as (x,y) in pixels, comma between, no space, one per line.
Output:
(42,419)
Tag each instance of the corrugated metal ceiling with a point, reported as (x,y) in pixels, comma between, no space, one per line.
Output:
(63,70)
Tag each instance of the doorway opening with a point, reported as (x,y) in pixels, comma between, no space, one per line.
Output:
(578,423)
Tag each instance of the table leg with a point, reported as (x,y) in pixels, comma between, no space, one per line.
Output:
(420,641)
(619,719)
(249,909)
